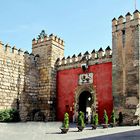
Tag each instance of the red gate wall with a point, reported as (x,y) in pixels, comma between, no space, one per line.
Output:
(67,82)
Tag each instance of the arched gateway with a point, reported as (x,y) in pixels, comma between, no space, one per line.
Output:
(85,99)
(85,102)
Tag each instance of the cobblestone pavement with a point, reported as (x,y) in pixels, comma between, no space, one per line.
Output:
(51,131)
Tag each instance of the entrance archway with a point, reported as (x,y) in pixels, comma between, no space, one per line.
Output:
(82,94)
(85,102)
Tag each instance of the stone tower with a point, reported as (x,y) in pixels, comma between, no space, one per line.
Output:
(125,70)
(48,49)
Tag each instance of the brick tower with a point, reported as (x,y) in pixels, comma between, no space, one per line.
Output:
(48,49)
(125,70)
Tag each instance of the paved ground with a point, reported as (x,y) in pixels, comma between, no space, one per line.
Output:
(51,131)
(130,135)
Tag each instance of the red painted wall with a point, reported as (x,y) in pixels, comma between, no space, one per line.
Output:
(67,82)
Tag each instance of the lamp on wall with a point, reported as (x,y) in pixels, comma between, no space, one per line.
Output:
(50,102)
(84,63)
(89,98)
(84,66)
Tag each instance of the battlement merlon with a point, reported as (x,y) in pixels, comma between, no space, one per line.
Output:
(45,40)
(1,46)
(12,52)
(95,57)
(129,20)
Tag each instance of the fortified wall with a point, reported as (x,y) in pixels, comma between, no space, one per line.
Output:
(28,81)
(95,57)
(48,49)
(126,67)
(12,76)
(97,68)
(45,83)
(15,78)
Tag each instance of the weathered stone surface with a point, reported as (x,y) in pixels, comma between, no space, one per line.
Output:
(125,71)
(28,82)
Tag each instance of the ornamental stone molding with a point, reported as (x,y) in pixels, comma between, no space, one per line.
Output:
(90,88)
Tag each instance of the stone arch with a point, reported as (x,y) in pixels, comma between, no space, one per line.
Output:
(81,89)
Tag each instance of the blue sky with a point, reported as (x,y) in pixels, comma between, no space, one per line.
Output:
(82,24)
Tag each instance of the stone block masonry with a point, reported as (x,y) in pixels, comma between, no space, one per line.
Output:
(12,76)
(17,79)
(29,82)
(48,49)
(125,74)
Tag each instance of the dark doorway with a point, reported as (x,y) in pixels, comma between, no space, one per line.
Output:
(85,101)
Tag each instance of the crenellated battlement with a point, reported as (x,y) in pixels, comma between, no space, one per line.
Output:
(44,39)
(16,55)
(95,57)
(32,82)
(7,49)
(126,22)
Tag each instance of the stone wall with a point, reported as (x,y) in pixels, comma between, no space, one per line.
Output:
(28,82)
(29,109)
(18,80)
(12,73)
(49,49)
(125,45)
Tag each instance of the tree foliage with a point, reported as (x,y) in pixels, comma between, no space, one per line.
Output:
(66,121)
(81,119)
(113,118)
(95,119)
(9,115)
(105,117)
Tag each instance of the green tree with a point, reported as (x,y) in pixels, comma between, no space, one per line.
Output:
(9,115)
(113,118)
(66,121)
(81,119)
(95,119)
(105,117)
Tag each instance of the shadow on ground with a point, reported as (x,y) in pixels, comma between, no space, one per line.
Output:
(130,135)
